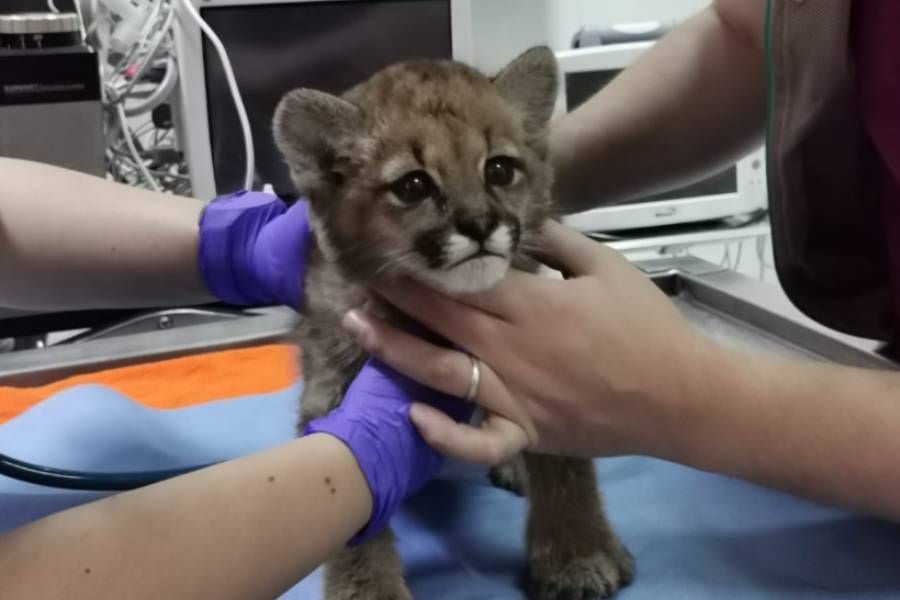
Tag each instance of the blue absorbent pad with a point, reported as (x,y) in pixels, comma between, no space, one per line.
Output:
(694,535)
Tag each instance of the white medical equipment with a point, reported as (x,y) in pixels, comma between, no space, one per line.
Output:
(50,92)
(739,189)
(132,40)
(276,45)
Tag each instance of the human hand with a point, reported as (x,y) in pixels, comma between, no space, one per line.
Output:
(253,249)
(598,364)
(373,420)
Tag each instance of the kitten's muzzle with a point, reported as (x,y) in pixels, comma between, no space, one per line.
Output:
(478,254)
(478,227)
(499,243)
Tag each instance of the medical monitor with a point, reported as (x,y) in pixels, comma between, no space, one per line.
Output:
(277,45)
(738,189)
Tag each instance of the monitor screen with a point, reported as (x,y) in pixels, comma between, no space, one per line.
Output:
(582,85)
(328,46)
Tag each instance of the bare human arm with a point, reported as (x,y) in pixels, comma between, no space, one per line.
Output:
(623,373)
(248,528)
(71,241)
(694,102)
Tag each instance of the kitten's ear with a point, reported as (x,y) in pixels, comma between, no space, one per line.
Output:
(316,132)
(530,82)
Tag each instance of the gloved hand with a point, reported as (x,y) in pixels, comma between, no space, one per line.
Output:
(373,420)
(253,249)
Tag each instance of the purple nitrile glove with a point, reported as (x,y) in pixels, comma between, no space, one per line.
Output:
(253,249)
(373,420)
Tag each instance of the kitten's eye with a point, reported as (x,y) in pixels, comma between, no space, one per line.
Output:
(500,171)
(414,187)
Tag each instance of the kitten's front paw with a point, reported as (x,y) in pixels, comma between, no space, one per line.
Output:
(587,578)
(394,589)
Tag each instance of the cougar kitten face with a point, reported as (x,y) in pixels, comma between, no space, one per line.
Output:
(428,169)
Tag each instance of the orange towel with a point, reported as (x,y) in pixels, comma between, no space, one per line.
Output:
(178,382)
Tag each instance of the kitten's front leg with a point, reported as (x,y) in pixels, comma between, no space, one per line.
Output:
(573,552)
(372,571)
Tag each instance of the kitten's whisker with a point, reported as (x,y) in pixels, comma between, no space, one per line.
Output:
(392,262)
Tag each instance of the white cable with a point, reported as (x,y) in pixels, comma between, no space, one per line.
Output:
(148,58)
(760,256)
(726,257)
(160,94)
(81,24)
(126,131)
(235,92)
(152,21)
(52,6)
(740,251)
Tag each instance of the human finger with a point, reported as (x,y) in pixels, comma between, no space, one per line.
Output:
(449,317)
(568,251)
(507,299)
(497,439)
(442,369)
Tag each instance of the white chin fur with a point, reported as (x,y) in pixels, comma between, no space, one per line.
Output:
(475,275)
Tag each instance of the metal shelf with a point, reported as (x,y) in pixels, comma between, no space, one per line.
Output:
(684,240)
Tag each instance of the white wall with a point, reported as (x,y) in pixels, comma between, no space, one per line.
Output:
(501,29)
(565,17)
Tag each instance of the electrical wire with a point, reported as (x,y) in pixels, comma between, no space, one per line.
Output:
(143,128)
(170,175)
(233,87)
(128,57)
(98,34)
(760,256)
(52,6)
(726,258)
(160,94)
(152,19)
(737,260)
(81,25)
(142,154)
(126,133)
(148,59)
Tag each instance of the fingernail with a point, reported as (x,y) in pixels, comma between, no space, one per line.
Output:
(355,324)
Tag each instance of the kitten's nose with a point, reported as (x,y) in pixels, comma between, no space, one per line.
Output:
(478,227)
